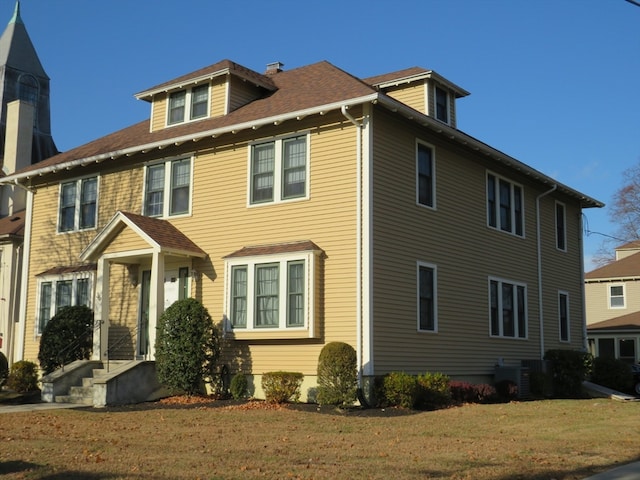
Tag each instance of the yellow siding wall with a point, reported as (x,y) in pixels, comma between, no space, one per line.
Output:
(455,238)
(242,93)
(159,111)
(597,300)
(412,94)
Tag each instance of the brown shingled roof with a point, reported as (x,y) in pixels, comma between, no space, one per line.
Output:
(630,321)
(91,267)
(301,246)
(399,75)
(13,225)
(298,89)
(164,233)
(626,267)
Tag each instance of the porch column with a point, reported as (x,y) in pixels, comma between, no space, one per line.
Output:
(101,310)
(156,299)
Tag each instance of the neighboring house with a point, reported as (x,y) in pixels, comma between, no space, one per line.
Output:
(25,138)
(303,207)
(612,299)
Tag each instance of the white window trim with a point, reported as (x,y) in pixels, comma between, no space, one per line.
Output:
(435,296)
(166,201)
(513,211)
(282,259)
(624,296)
(278,173)
(187,107)
(501,322)
(566,295)
(433,175)
(76,220)
(564,216)
(54,279)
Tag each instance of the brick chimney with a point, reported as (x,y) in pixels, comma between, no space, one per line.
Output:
(274,67)
(17,153)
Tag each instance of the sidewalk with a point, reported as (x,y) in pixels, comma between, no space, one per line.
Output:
(631,471)
(36,407)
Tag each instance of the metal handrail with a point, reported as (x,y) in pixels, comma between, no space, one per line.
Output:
(131,334)
(89,331)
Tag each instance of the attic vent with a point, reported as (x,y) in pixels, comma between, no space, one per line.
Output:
(274,67)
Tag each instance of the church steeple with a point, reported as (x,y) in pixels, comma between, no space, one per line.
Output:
(23,77)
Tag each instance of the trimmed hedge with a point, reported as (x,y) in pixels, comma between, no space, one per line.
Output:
(23,377)
(4,369)
(187,347)
(569,368)
(337,374)
(281,387)
(612,373)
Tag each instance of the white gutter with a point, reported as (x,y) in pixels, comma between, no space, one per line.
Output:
(539,240)
(359,282)
(275,120)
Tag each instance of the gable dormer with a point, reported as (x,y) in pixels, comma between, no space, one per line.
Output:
(423,90)
(210,92)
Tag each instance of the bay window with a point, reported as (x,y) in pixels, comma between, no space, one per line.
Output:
(63,290)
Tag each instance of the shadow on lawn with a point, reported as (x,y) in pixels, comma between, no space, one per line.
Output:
(40,472)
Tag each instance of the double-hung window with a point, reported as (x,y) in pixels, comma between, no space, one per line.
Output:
(563,316)
(279,170)
(441,104)
(505,209)
(425,184)
(188,104)
(168,188)
(272,293)
(616,296)
(58,291)
(427,298)
(561,227)
(78,205)
(508,309)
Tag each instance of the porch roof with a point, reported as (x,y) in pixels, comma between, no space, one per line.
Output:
(160,234)
(630,321)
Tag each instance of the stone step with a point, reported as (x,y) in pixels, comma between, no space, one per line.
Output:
(75,400)
(81,392)
(87,382)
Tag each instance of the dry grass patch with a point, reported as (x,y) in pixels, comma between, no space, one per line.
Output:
(203,439)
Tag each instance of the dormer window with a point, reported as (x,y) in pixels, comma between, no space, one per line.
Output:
(185,105)
(442,105)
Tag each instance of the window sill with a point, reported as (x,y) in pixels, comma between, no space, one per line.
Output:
(242,334)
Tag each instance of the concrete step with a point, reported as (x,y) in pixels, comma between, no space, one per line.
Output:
(81,392)
(87,382)
(75,400)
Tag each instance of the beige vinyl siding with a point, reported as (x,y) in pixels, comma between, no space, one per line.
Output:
(221,223)
(412,94)
(241,93)
(597,299)
(454,237)
(159,112)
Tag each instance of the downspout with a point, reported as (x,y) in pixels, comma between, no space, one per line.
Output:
(539,238)
(359,323)
(585,343)
(19,343)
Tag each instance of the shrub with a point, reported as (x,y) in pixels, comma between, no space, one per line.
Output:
(23,377)
(239,385)
(401,389)
(612,373)
(569,368)
(463,392)
(434,391)
(486,393)
(337,374)
(68,336)
(4,369)
(187,347)
(281,387)
(507,390)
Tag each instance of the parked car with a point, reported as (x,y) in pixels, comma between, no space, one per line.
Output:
(636,378)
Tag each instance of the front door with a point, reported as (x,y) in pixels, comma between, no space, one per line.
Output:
(143,320)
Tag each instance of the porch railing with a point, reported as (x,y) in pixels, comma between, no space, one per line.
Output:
(88,333)
(131,336)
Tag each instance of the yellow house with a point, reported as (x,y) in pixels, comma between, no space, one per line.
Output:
(307,206)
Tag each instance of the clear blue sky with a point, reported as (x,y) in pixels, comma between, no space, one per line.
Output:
(554,83)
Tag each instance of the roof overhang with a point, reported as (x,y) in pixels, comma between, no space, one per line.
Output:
(426,75)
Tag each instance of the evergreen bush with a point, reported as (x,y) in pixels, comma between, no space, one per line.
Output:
(281,387)
(401,389)
(4,369)
(23,377)
(239,386)
(337,374)
(569,368)
(187,347)
(612,373)
(434,391)
(68,336)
